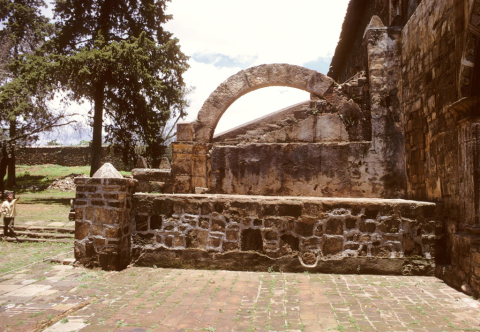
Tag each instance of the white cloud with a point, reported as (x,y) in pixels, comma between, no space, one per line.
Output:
(224,37)
(273,30)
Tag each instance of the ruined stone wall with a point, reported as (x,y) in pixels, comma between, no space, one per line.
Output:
(429,88)
(287,233)
(442,137)
(321,170)
(66,156)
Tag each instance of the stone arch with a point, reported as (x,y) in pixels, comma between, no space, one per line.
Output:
(259,77)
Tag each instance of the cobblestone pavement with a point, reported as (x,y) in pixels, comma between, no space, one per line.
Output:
(48,297)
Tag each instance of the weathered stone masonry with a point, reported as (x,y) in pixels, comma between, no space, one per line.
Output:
(287,233)
(102,222)
(438,90)
(66,156)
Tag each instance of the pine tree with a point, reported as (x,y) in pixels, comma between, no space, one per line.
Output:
(117,55)
(22,100)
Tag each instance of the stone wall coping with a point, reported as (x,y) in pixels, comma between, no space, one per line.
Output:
(289,143)
(138,171)
(105,181)
(291,199)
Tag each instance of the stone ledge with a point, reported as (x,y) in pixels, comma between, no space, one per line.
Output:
(105,181)
(257,198)
(251,261)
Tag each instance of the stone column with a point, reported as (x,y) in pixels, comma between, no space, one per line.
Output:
(102,220)
(384,74)
(189,164)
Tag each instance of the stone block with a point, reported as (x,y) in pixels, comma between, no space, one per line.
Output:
(332,245)
(311,210)
(185,132)
(330,128)
(104,216)
(141,222)
(97,230)
(312,243)
(215,242)
(218,225)
(350,222)
(163,207)
(112,232)
(291,242)
(230,246)
(182,184)
(233,235)
(304,227)
(334,226)
(89,213)
(156,221)
(145,239)
(82,230)
(390,225)
(251,240)
(290,210)
(351,246)
(271,235)
(179,241)
(197,239)
(79,214)
(381,251)
(204,223)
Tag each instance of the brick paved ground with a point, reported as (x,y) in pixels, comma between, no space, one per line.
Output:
(48,297)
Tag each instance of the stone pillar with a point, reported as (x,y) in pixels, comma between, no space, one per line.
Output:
(189,164)
(384,74)
(469,173)
(102,221)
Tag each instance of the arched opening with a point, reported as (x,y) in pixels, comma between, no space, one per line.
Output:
(259,77)
(258,105)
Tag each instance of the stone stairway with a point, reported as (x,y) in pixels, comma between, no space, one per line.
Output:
(41,234)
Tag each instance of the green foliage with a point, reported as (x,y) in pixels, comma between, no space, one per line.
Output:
(53,143)
(117,55)
(25,86)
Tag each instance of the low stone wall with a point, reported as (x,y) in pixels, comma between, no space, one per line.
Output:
(66,156)
(287,233)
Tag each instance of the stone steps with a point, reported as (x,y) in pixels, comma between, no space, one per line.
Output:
(27,239)
(45,229)
(41,234)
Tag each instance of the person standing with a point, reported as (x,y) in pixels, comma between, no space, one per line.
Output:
(8,210)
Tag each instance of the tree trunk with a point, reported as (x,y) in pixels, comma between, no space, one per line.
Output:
(99,97)
(11,165)
(3,170)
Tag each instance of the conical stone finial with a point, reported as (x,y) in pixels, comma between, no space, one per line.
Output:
(376,22)
(107,171)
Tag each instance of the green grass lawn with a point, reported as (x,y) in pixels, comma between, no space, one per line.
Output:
(15,255)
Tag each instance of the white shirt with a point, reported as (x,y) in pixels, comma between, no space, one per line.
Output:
(9,208)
